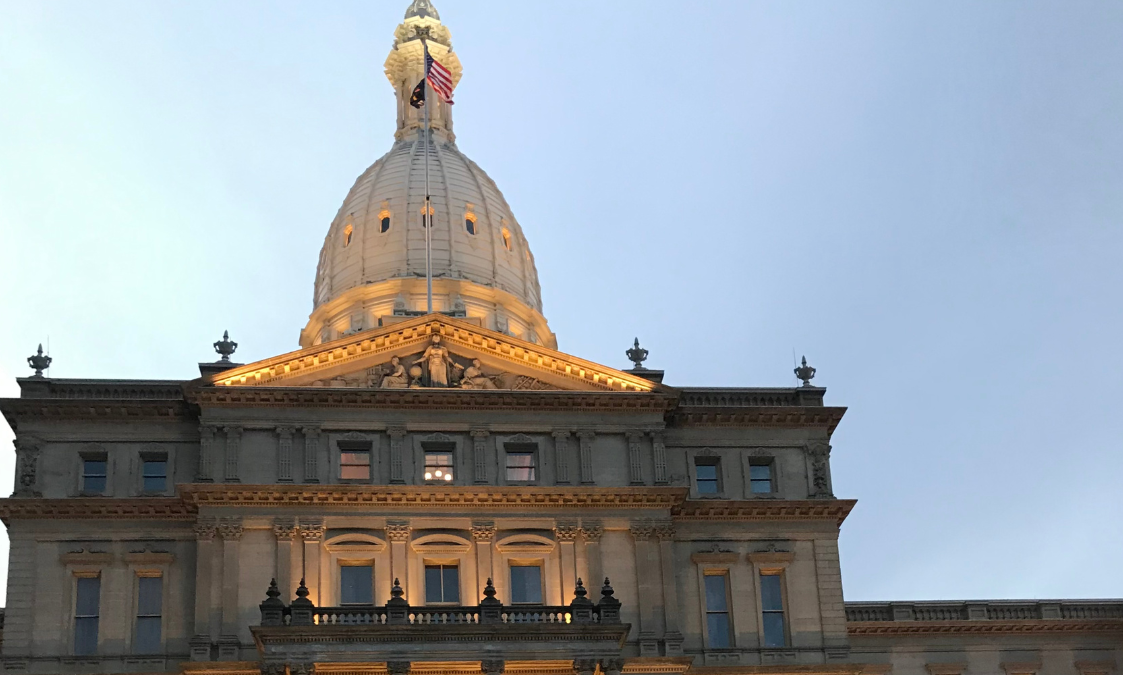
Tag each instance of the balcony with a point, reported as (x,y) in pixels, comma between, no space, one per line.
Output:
(577,637)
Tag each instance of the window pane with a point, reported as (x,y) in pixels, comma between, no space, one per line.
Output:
(706,471)
(760,478)
(707,487)
(150,598)
(433,583)
(88,591)
(93,484)
(155,468)
(147,635)
(520,466)
(354,465)
(526,584)
(385,224)
(770,596)
(85,635)
(155,484)
(94,467)
(718,628)
(715,593)
(774,629)
(356,458)
(356,585)
(451,583)
(354,472)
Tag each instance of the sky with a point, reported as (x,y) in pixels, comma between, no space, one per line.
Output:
(924,198)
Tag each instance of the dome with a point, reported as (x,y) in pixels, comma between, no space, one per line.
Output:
(372,266)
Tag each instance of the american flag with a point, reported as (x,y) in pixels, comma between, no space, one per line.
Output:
(438,77)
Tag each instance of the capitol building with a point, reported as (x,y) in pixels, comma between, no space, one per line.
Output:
(427,485)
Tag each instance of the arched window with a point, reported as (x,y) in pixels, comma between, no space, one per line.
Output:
(423,223)
(385,225)
(506,239)
(347,233)
(470,223)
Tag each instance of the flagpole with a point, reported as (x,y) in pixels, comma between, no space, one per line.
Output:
(427,219)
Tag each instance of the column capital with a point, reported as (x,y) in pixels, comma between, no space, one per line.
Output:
(397,432)
(641,530)
(398,667)
(207,431)
(664,529)
(492,666)
(205,528)
(586,434)
(561,434)
(311,530)
(592,531)
(483,530)
(230,529)
(398,530)
(566,531)
(285,529)
(479,433)
(286,432)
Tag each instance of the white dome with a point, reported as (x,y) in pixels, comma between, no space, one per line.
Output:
(371,270)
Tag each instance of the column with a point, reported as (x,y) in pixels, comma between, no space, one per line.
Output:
(672,636)
(479,456)
(398,532)
(586,439)
(635,463)
(311,454)
(591,532)
(205,530)
(229,644)
(284,455)
(649,582)
(659,453)
(397,435)
(483,533)
(233,449)
(312,534)
(206,454)
(561,456)
(286,531)
(566,534)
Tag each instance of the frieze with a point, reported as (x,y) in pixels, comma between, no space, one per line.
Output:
(100,508)
(835,509)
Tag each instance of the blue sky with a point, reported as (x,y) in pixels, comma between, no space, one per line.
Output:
(923,198)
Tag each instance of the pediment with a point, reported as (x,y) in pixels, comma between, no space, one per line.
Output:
(431,352)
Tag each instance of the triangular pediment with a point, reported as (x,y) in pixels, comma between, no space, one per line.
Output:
(432,351)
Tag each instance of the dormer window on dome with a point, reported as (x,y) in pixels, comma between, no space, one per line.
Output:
(470,223)
(424,223)
(506,238)
(348,232)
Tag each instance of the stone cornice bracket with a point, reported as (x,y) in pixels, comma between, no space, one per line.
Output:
(664,529)
(230,529)
(820,452)
(610,666)
(285,529)
(312,530)
(27,468)
(566,531)
(492,666)
(591,530)
(397,530)
(398,667)
(303,668)
(641,530)
(483,531)
(584,666)
(205,528)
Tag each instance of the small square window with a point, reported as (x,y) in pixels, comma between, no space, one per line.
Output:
(760,478)
(438,466)
(526,585)
(356,585)
(154,473)
(521,466)
(354,463)
(442,584)
(94,474)
(707,474)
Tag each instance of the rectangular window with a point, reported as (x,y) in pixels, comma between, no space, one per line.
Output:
(354,463)
(154,471)
(526,585)
(149,614)
(717,612)
(87,611)
(356,585)
(706,473)
(760,478)
(772,609)
(442,584)
(520,466)
(438,466)
(94,475)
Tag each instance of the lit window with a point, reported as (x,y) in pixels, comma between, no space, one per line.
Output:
(356,585)
(526,585)
(717,612)
(94,474)
(438,466)
(430,219)
(520,466)
(384,222)
(442,584)
(347,232)
(354,463)
(760,478)
(87,611)
(772,609)
(506,239)
(154,472)
(149,614)
(706,472)
(470,223)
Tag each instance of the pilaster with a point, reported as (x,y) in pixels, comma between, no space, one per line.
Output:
(566,535)
(397,437)
(586,450)
(205,592)
(648,581)
(312,534)
(483,533)
(659,455)
(672,635)
(203,473)
(635,460)
(398,533)
(311,454)
(230,529)
(479,456)
(284,454)
(286,531)
(561,456)
(591,532)
(233,451)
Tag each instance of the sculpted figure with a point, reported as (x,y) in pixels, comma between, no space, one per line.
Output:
(438,362)
(396,378)
(474,377)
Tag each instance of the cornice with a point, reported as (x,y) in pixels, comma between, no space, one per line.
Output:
(809,669)
(16,410)
(432,399)
(773,509)
(435,496)
(779,416)
(897,628)
(168,508)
